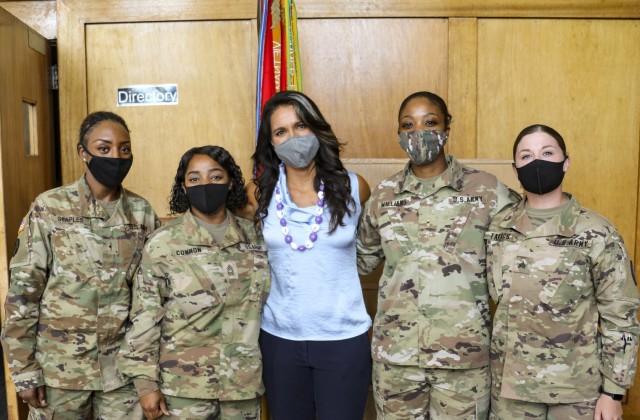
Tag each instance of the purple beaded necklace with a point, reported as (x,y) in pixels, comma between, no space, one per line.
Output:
(315,227)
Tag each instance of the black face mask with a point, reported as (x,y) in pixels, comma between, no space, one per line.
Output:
(207,198)
(110,172)
(541,176)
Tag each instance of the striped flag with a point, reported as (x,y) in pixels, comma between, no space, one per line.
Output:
(279,65)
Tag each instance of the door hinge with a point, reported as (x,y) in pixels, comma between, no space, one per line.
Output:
(53,77)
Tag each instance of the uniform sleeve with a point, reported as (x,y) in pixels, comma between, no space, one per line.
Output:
(28,279)
(368,243)
(617,298)
(505,196)
(138,359)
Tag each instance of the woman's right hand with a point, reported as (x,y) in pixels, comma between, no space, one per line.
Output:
(154,405)
(35,397)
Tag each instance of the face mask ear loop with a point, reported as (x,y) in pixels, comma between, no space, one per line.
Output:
(87,151)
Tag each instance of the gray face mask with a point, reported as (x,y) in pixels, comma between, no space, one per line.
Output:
(298,152)
(423,146)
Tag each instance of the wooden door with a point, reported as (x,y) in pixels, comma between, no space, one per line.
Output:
(206,48)
(211,64)
(26,145)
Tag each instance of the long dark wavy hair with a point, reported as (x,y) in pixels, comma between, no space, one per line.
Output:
(329,167)
(237,197)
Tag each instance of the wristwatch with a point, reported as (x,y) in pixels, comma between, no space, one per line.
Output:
(614,397)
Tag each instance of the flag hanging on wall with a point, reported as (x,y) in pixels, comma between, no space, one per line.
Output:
(279,65)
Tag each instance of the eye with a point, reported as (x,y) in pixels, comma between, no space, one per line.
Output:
(103,149)
(216,177)
(431,123)
(278,133)
(547,153)
(406,125)
(525,156)
(125,150)
(193,179)
(301,126)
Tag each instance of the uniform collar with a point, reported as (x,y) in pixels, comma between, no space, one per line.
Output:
(563,224)
(197,235)
(91,208)
(452,177)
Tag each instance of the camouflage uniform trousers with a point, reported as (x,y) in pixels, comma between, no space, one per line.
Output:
(204,409)
(412,392)
(64,404)
(508,409)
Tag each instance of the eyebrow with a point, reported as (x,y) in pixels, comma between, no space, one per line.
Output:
(209,171)
(111,141)
(543,147)
(419,115)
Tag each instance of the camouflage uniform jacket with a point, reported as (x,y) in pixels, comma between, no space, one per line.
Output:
(554,287)
(69,297)
(432,300)
(196,312)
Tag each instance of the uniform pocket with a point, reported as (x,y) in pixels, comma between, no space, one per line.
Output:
(260,278)
(71,255)
(566,281)
(130,248)
(456,228)
(196,291)
(46,413)
(396,240)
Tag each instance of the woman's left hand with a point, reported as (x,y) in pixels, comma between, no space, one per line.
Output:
(608,409)
(154,405)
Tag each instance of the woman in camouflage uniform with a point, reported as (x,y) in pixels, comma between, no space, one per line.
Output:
(68,301)
(192,349)
(565,332)
(430,342)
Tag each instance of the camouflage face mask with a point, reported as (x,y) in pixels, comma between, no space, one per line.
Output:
(423,146)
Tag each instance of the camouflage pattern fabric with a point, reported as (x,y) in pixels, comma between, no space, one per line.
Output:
(415,393)
(196,312)
(508,409)
(433,307)
(63,404)
(555,286)
(69,296)
(198,409)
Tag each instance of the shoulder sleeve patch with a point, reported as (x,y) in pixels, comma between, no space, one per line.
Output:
(22,225)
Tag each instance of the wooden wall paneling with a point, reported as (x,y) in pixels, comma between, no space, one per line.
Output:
(632,406)
(7,124)
(23,69)
(73,15)
(215,81)
(463,86)
(358,71)
(580,77)
(72,73)
(38,15)
(464,8)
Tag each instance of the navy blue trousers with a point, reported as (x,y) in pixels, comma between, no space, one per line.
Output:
(305,379)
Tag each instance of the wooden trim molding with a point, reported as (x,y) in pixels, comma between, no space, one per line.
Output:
(38,15)
(625,9)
